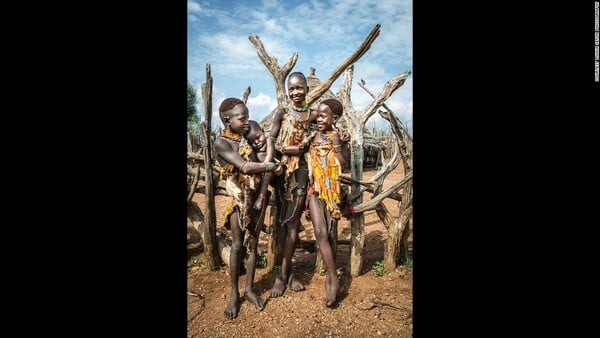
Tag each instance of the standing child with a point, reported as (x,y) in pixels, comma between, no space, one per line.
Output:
(263,146)
(237,164)
(291,134)
(325,164)
(290,131)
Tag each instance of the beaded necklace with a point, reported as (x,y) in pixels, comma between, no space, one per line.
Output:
(325,136)
(302,107)
(228,134)
(244,149)
(298,118)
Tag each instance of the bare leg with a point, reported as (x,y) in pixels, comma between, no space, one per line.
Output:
(286,261)
(291,213)
(279,285)
(285,277)
(232,309)
(326,249)
(250,269)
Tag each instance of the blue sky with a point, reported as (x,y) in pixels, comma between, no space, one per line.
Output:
(324,33)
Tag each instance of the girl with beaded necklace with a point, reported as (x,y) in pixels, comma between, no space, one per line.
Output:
(291,133)
(237,163)
(325,163)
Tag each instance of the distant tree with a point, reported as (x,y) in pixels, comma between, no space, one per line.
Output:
(192,111)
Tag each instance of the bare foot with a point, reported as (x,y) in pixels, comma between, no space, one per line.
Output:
(295,284)
(331,285)
(278,288)
(232,308)
(255,299)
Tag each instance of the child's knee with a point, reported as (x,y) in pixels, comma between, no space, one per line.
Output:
(236,246)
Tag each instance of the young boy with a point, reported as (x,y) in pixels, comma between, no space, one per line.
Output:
(238,164)
(263,147)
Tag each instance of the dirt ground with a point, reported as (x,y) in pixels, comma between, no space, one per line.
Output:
(368,305)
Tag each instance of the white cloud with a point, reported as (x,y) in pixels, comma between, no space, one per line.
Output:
(272,25)
(193,7)
(229,55)
(260,105)
(323,33)
(260,100)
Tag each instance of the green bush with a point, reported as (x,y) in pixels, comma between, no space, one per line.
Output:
(378,269)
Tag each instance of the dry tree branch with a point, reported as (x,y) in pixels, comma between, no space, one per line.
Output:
(386,92)
(366,186)
(279,73)
(372,203)
(377,303)
(315,93)
(246,94)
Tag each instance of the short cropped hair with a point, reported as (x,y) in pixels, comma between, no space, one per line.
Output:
(297,74)
(335,106)
(254,125)
(228,104)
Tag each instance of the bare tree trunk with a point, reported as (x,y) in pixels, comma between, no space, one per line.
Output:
(391,244)
(209,229)
(224,249)
(357,225)
(356,124)
(273,254)
(196,217)
(194,185)
(405,223)
(319,262)
(279,73)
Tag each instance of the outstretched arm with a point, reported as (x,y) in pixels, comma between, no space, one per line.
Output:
(269,148)
(276,126)
(225,151)
(263,190)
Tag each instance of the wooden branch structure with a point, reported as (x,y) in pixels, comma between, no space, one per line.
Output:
(208,227)
(367,186)
(356,121)
(402,153)
(315,93)
(279,73)
(378,198)
(246,94)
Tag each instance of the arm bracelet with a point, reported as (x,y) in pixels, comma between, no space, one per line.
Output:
(268,166)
